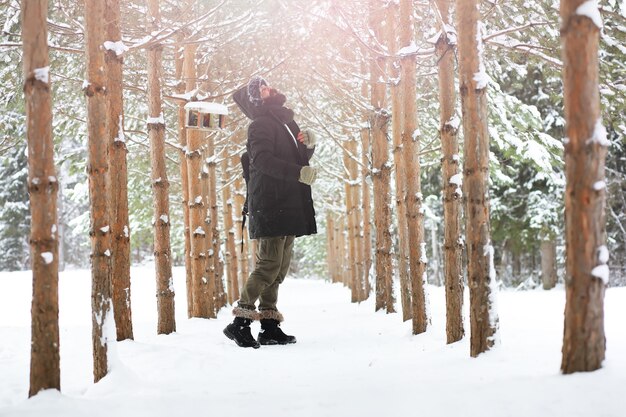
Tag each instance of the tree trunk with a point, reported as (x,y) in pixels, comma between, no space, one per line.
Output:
(42,187)
(410,144)
(548,264)
(209,267)
(381,174)
(587,272)
(351,215)
(215,243)
(160,184)
(120,232)
(400,177)
(202,296)
(330,246)
(452,241)
(185,67)
(229,230)
(366,206)
(473,88)
(97,169)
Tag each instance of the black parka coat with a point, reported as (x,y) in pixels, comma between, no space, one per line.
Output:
(278,204)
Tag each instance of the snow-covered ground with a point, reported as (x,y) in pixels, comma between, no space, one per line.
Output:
(349,361)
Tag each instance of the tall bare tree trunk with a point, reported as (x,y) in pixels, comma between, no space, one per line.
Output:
(215,243)
(99,191)
(587,271)
(411,149)
(202,295)
(209,267)
(548,263)
(398,159)
(480,271)
(120,232)
(352,200)
(42,187)
(229,230)
(381,169)
(160,184)
(185,74)
(330,246)
(366,207)
(452,242)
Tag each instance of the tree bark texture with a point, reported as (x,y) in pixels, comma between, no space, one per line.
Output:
(473,89)
(452,193)
(366,208)
(99,187)
(185,71)
(413,196)
(202,296)
(352,201)
(120,231)
(229,230)
(584,341)
(216,242)
(400,171)
(42,187)
(160,184)
(209,266)
(381,171)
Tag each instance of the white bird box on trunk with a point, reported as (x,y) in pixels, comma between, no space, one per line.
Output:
(205,116)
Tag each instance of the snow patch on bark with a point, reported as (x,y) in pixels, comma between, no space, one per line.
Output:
(590,10)
(601,272)
(118,47)
(599,134)
(48,257)
(156,120)
(42,74)
(599,185)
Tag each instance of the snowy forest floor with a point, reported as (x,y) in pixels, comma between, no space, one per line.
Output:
(349,360)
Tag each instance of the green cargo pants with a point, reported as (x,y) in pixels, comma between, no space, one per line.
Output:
(273,257)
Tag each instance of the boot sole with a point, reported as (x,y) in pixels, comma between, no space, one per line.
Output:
(272,342)
(232,337)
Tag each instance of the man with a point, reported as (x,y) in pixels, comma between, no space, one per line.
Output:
(279,204)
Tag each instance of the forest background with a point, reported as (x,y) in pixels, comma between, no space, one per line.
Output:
(317,52)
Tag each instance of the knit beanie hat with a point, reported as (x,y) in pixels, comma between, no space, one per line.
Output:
(254,90)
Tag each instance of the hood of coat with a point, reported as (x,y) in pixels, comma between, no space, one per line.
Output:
(283,114)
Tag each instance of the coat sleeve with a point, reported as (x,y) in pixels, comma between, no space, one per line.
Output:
(261,140)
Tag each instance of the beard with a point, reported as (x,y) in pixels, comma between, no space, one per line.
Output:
(275,98)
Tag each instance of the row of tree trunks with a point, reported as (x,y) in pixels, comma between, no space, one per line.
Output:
(451,189)
(400,171)
(413,196)
(473,89)
(97,169)
(587,272)
(160,184)
(120,232)
(42,187)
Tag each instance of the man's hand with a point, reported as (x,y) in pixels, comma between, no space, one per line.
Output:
(307,175)
(307,137)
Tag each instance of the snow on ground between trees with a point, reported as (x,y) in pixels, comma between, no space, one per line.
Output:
(348,359)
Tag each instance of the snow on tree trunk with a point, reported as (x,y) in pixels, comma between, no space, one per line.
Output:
(352,201)
(366,206)
(411,149)
(584,342)
(215,242)
(473,89)
(230,254)
(452,244)
(99,191)
(548,264)
(400,171)
(185,74)
(42,187)
(160,184)
(120,232)
(202,294)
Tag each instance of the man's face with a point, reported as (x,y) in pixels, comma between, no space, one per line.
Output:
(265,91)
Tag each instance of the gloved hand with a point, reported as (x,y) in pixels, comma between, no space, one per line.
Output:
(308,138)
(307,175)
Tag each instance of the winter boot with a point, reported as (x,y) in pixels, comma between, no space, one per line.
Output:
(239,331)
(271,333)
